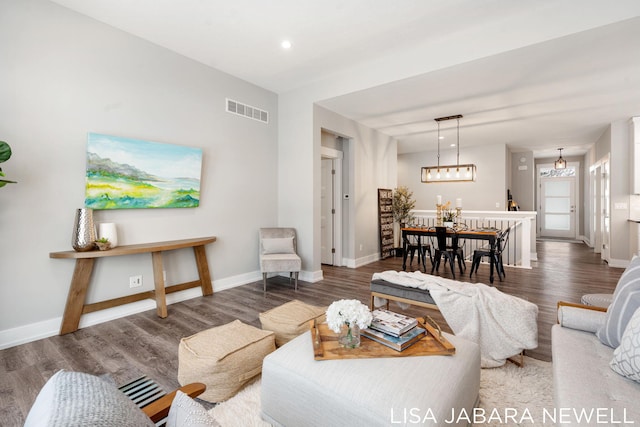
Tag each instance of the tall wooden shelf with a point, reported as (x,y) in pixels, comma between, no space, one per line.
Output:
(385,221)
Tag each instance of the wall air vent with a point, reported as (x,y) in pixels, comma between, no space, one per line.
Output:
(244,110)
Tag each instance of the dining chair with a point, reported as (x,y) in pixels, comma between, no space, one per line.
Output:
(449,252)
(494,255)
(415,244)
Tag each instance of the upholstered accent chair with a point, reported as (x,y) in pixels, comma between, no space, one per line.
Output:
(278,253)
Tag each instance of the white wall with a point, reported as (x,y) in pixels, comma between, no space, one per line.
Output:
(372,165)
(489,189)
(64,75)
(620,192)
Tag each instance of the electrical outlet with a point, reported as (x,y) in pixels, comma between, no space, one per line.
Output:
(135,281)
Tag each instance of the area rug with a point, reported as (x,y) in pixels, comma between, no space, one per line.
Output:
(509,396)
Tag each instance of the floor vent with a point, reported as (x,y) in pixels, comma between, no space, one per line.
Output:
(244,110)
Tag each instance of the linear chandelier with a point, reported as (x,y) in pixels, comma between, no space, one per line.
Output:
(449,173)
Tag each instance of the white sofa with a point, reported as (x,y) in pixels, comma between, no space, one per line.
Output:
(588,343)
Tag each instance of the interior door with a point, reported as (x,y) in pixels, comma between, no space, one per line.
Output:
(326,212)
(605,226)
(558,207)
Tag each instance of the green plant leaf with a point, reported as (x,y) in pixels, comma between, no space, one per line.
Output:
(5,151)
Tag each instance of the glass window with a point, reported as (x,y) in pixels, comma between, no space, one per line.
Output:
(557,173)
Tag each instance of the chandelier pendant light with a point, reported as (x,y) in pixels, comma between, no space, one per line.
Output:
(452,173)
(560,163)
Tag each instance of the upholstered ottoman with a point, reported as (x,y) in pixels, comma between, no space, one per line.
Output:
(300,391)
(224,358)
(290,320)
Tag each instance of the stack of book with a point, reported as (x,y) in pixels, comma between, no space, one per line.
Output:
(394,330)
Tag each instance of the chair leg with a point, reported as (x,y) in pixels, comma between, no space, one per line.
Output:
(453,266)
(295,274)
(461,264)
(436,261)
(474,265)
(264,281)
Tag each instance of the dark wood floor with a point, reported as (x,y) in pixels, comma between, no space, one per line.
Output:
(143,344)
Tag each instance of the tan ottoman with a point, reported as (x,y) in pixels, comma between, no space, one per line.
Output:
(224,358)
(290,320)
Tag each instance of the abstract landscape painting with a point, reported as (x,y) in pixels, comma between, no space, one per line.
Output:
(125,173)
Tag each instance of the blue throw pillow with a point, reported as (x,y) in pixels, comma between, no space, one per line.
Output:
(626,300)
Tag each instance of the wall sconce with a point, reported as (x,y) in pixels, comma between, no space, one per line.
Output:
(453,173)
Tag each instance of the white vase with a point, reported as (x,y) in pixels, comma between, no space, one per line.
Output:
(448,224)
(108,230)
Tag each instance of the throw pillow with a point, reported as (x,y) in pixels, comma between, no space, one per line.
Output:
(186,412)
(626,358)
(626,299)
(277,245)
(76,398)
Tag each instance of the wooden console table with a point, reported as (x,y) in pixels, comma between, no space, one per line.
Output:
(76,306)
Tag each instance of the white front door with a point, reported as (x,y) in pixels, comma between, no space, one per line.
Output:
(557,203)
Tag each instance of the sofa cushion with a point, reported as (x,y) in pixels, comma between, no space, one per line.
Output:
(626,358)
(626,299)
(76,398)
(186,412)
(278,245)
(582,378)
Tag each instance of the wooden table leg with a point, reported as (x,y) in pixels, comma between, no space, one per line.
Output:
(77,295)
(203,269)
(158,280)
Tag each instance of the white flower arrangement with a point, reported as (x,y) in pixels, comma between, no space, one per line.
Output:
(348,312)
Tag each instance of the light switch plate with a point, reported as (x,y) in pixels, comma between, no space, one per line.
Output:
(620,206)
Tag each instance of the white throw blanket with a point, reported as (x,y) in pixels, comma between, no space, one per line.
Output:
(503,325)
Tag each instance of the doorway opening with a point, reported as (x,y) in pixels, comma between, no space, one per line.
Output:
(331,204)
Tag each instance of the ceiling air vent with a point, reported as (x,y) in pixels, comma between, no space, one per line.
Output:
(244,110)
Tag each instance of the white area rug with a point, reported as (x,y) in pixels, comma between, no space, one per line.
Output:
(508,397)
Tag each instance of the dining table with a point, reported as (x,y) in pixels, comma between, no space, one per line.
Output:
(460,231)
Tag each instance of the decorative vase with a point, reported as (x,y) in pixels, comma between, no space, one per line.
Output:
(448,224)
(349,336)
(108,230)
(84,232)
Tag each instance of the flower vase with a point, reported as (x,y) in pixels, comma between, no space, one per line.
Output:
(349,336)
(84,232)
(448,224)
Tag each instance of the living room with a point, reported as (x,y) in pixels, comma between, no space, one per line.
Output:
(68,74)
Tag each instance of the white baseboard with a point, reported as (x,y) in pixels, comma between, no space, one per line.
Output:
(619,263)
(359,262)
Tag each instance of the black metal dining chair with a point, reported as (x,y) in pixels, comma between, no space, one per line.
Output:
(415,244)
(494,255)
(449,252)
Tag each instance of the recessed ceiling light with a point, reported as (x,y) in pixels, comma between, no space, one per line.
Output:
(441,137)
(286,44)
(452,145)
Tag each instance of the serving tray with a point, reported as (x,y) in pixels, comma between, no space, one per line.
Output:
(326,346)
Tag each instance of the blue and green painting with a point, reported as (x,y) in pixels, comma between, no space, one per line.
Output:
(125,173)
